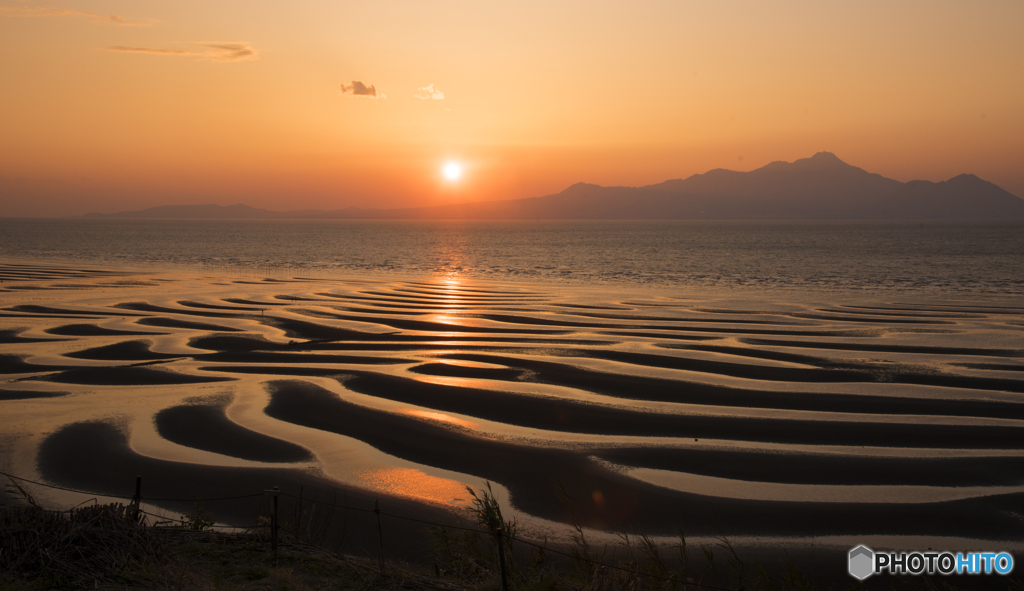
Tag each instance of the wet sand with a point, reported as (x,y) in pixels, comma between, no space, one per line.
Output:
(763,417)
(204,425)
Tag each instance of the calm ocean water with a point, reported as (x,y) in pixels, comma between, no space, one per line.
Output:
(942,257)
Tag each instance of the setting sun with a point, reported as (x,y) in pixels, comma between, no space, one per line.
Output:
(452,171)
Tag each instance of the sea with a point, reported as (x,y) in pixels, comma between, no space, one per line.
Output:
(948,258)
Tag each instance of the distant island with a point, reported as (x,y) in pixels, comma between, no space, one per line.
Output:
(821,187)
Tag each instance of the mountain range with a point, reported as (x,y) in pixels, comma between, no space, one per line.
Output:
(821,187)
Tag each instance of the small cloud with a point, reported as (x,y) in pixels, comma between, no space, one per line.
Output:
(428,92)
(357,88)
(40,12)
(229,52)
(218,52)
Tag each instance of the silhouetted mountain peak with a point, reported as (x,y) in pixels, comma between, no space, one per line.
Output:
(579,187)
(826,157)
(966,178)
(821,163)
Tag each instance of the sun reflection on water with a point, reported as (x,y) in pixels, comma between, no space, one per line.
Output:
(449,291)
(410,482)
(443,319)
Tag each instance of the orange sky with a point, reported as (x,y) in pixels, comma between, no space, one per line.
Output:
(114,105)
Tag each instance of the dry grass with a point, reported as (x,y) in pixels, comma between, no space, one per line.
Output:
(84,547)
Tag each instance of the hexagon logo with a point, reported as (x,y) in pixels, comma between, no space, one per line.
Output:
(862,561)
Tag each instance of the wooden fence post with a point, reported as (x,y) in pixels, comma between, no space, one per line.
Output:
(501,559)
(380,534)
(273,519)
(137,499)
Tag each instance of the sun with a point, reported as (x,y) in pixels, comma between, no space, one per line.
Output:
(452,171)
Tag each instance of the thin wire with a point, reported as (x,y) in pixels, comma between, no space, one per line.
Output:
(444,525)
(165,517)
(132,497)
(182,521)
(59,487)
(284,494)
(205,500)
(479,531)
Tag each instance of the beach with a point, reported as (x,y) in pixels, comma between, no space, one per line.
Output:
(777,419)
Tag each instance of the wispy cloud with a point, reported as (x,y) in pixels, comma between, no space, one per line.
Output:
(428,92)
(357,88)
(218,52)
(229,52)
(40,12)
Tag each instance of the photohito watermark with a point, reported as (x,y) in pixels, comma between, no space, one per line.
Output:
(864,562)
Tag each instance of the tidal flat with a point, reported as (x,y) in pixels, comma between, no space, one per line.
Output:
(775,419)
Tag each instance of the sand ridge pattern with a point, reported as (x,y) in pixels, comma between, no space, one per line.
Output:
(745,418)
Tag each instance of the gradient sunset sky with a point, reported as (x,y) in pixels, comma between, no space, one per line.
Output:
(117,105)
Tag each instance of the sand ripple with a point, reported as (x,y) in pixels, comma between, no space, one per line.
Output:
(782,418)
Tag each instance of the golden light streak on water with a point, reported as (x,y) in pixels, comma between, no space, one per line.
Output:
(444,319)
(410,482)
